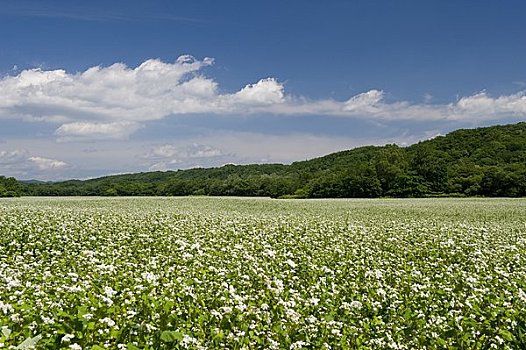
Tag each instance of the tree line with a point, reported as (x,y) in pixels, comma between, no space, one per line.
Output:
(9,187)
(488,161)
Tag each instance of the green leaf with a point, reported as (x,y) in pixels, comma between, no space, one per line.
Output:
(115,333)
(506,335)
(96,347)
(130,346)
(218,337)
(65,314)
(407,314)
(441,341)
(171,336)
(6,331)
(29,343)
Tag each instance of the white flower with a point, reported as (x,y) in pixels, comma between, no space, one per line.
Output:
(355,304)
(47,320)
(75,346)
(298,345)
(292,315)
(109,291)
(291,263)
(187,341)
(226,309)
(149,277)
(6,308)
(270,253)
(314,301)
(67,338)
(336,332)
(108,321)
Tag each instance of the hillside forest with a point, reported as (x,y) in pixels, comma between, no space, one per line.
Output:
(489,161)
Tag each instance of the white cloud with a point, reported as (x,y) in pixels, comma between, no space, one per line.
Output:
(84,130)
(265,92)
(47,163)
(150,91)
(168,156)
(114,102)
(164,151)
(191,151)
(428,98)
(485,106)
(366,103)
(21,164)
(9,158)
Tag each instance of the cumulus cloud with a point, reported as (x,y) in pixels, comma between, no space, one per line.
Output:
(9,158)
(113,102)
(21,163)
(367,102)
(483,104)
(265,92)
(47,163)
(150,91)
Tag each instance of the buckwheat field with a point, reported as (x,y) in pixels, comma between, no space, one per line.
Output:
(216,273)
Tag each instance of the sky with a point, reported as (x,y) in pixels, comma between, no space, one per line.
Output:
(92,88)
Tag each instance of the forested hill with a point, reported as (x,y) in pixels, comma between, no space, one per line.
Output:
(487,161)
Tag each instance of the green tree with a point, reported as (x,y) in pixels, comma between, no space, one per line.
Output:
(9,187)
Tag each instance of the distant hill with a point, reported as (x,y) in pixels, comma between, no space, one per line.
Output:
(488,161)
(32,181)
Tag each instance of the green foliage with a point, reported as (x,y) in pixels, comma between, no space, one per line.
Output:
(487,161)
(9,187)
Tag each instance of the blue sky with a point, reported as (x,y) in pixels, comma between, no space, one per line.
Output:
(102,87)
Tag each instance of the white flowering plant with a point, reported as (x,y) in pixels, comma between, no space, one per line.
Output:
(244,273)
